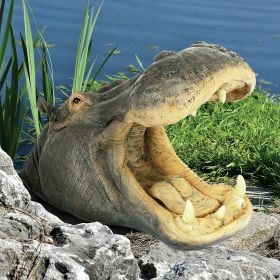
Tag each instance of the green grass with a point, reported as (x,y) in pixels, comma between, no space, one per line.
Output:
(225,140)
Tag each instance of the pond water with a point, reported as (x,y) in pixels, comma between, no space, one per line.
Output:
(250,27)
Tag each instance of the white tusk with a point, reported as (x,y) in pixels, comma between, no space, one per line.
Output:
(237,204)
(220,213)
(240,186)
(193,113)
(188,215)
(222,95)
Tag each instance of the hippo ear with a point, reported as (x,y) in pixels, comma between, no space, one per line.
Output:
(48,109)
(162,55)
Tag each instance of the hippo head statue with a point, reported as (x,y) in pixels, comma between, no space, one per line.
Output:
(104,156)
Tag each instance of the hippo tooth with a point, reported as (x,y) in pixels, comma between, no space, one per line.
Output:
(193,113)
(220,213)
(237,204)
(188,215)
(222,95)
(240,186)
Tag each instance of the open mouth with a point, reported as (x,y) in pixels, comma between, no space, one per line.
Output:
(189,210)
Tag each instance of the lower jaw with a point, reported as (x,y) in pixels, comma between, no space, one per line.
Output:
(157,162)
(175,236)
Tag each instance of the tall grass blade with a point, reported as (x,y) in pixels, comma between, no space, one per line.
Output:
(140,63)
(102,64)
(36,41)
(5,74)
(48,89)
(76,79)
(12,110)
(85,83)
(2,13)
(84,48)
(30,69)
(5,39)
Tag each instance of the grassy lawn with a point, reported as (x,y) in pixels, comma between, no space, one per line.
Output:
(225,140)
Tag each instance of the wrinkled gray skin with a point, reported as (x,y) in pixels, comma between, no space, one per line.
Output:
(76,163)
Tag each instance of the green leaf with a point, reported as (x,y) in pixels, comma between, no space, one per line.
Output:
(30,69)
(102,64)
(84,48)
(140,63)
(48,90)
(5,39)
(4,75)
(2,13)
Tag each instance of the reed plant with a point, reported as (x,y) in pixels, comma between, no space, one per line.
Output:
(6,34)
(18,97)
(84,77)
(30,70)
(47,81)
(12,98)
(84,48)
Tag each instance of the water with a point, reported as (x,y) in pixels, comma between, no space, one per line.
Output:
(250,27)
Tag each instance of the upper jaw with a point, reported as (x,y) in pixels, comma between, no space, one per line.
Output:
(175,86)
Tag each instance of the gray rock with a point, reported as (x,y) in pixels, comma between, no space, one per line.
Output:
(222,263)
(34,244)
(84,251)
(216,262)
(6,163)
(260,229)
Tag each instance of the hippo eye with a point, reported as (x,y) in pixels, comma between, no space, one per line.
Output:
(76,100)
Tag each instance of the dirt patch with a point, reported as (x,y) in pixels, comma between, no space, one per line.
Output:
(271,248)
(140,243)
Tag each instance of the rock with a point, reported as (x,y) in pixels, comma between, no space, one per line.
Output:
(222,263)
(260,229)
(270,248)
(157,260)
(14,194)
(84,251)
(215,262)
(34,244)
(6,163)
